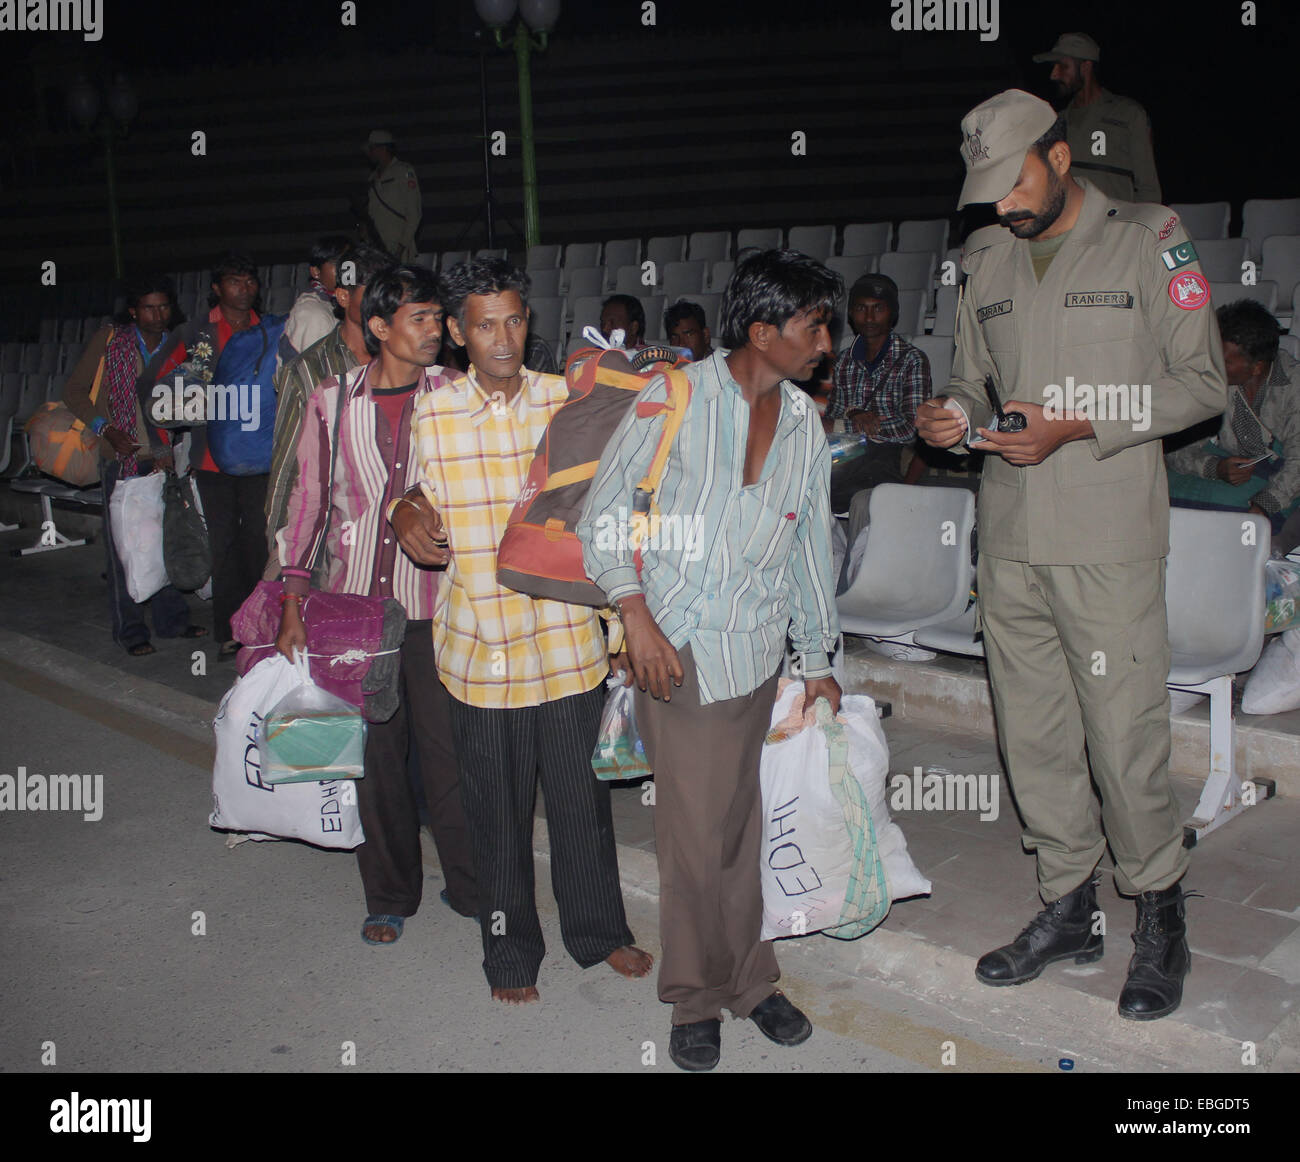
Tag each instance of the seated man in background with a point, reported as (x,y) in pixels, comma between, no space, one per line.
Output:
(1253,463)
(879,382)
(624,313)
(686,326)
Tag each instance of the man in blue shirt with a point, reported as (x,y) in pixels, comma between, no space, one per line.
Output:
(741,559)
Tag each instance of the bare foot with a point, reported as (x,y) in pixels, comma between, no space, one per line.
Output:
(524,996)
(380,933)
(630,961)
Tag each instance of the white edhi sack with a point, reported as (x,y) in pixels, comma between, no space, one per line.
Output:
(826,828)
(135,513)
(1274,683)
(322,813)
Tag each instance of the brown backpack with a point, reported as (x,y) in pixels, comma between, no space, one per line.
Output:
(540,553)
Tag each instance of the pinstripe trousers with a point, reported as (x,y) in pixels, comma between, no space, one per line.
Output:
(502,753)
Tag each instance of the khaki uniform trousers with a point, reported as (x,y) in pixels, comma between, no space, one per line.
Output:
(1078,656)
(708,838)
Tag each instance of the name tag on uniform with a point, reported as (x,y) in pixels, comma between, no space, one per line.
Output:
(1115,298)
(993,310)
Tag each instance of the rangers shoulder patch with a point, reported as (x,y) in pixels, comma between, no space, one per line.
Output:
(1189,291)
(1168,227)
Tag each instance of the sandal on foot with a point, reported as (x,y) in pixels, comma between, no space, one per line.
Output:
(393,922)
(194,631)
(228,650)
(141,649)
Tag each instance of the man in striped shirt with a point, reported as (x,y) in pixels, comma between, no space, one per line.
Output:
(343,511)
(331,357)
(526,676)
(746,494)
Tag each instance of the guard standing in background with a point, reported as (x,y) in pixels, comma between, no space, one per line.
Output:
(1074,288)
(395,203)
(1109,135)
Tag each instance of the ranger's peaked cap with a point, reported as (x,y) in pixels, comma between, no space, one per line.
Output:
(996,135)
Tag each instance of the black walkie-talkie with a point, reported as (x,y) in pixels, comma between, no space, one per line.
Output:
(1007,421)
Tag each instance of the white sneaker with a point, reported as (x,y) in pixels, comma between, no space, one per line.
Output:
(899,651)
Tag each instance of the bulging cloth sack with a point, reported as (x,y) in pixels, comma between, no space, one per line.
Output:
(135,513)
(322,813)
(832,860)
(353,643)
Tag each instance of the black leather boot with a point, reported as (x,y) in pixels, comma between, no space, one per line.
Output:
(1161,957)
(1060,931)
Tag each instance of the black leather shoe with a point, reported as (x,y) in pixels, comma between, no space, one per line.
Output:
(778,1020)
(1060,931)
(696,1047)
(1161,958)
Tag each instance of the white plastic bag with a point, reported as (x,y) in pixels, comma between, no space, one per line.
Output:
(323,813)
(796,763)
(1274,683)
(619,752)
(311,735)
(820,866)
(135,512)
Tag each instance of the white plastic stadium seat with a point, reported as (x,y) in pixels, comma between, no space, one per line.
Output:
(620,252)
(1221,258)
(945,311)
(939,350)
(815,241)
(867,238)
(1222,293)
(545,282)
(709,245)
(546,318)
(665,249)
(1203,220)
(910,269)
(923,234)
(1282,263)
(763,237)
(911,311)
(917,568)
(543,256)
(1263,217)
(683,278)
(1215,600)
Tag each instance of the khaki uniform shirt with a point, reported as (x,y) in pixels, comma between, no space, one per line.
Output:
(1109,312)
(1127,168)
(396,207)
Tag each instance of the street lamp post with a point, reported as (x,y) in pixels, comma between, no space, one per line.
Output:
(119,110)
(536,19)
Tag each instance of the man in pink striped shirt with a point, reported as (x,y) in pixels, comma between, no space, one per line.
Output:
(375,464)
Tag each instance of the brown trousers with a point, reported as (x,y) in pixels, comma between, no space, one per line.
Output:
(708,835)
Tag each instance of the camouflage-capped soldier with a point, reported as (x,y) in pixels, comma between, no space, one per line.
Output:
(1071,290)
(395,203)
(1109,135)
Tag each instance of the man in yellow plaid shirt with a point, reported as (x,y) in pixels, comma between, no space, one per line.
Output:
(526,675)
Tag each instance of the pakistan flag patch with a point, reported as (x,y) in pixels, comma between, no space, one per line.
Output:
(1177,256)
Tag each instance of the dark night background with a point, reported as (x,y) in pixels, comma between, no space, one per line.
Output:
(640,130)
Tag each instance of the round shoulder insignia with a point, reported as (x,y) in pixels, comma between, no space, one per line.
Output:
(1189,291)
(1111,212)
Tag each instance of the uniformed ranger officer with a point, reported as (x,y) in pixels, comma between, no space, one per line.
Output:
(1074,290)
(395,205)
(1109,135)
